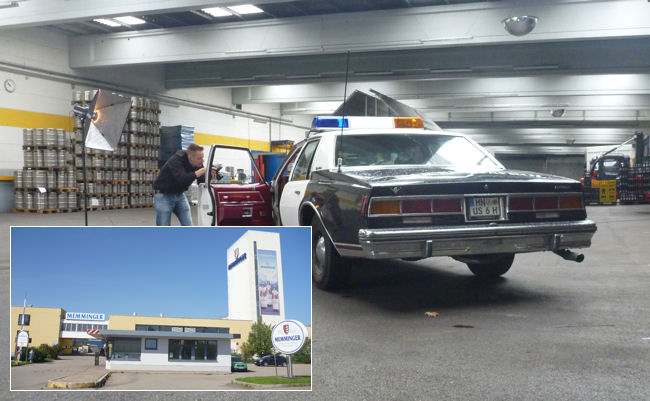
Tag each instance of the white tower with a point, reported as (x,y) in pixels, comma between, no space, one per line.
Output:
(255,285)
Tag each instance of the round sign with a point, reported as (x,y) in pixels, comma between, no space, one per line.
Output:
(23,339)
(289,336)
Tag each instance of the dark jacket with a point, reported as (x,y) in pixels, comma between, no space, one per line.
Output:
(176,175)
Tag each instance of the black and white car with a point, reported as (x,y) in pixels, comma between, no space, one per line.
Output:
(384,187)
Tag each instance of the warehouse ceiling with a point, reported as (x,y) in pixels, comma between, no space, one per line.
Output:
(581,77)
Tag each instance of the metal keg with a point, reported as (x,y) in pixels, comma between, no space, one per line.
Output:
(72,200)
(18,179)
(77,96)
(88,95)
(79,174)
(40,179)
(28,137)
(108,175)
(133,126)
(51,157)
(62,200)
(98,175)
(19,200)
(52,200)
(60,158)
(98,162)
(28,178)
(108,202)
(78,135)
(91,187)
(51,179)
(133,114)
(61,179)
(70,179)
(28,158)
(38,158)
(40,200)
(29,200)
(140,101)
(99,188)
(69,137)
(38,137)
(60,137)
(50,137)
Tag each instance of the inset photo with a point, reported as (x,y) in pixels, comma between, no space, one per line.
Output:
(152,308)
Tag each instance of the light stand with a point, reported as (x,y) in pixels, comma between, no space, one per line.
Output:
(85,114)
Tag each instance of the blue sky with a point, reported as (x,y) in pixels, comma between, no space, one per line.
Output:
(177,271)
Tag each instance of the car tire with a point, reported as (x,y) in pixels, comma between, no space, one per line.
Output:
(328,269)
(493,267)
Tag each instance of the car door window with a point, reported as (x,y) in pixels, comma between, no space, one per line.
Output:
(301,171)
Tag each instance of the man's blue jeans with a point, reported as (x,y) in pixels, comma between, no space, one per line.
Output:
(167,203)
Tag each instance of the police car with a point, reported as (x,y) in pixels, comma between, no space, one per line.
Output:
(385,187)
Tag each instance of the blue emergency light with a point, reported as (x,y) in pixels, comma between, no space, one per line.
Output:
(329,122)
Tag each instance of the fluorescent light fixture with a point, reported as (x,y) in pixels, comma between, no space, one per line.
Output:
(129,20)
(246,9)
(216,12)
(108,22)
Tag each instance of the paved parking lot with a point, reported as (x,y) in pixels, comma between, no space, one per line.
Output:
(36,375)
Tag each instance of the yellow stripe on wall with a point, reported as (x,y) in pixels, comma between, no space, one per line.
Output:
(32,119)
(209,139)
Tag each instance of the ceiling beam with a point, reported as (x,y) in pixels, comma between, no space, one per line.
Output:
(402,29)
(469,88)
(47,12)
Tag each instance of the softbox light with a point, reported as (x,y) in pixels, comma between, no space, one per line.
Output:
(109,111)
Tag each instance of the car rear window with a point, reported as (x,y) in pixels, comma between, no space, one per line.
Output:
(400,149)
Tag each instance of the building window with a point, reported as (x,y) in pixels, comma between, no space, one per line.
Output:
(24,321)
(235,335)
(193,350)
(125,348)
(150,343)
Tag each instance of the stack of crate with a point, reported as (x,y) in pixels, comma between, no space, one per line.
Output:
(635,183)
(46,184)
(143,129)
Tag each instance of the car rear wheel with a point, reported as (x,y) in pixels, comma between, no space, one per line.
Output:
(329,270)
(493,266)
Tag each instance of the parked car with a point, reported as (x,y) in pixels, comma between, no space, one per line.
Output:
(271,360)
(384,187)
(237,365)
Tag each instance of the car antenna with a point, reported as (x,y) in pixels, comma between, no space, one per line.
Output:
(339,161)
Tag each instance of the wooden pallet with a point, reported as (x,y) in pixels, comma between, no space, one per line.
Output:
(36,211)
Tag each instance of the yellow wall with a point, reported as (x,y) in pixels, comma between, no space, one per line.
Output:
(32,119)
(44,326)
(209,139)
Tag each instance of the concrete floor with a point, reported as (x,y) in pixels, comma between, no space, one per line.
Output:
(550,329)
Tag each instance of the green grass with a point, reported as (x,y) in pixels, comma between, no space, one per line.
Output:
(14,363)
(275,380)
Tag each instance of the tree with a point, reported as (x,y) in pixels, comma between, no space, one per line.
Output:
(259,341)
(304,355)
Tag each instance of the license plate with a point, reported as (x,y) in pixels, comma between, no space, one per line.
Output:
(485,208)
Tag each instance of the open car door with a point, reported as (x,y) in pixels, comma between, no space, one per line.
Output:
(238,196)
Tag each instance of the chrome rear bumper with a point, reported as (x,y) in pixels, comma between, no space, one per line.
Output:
(422,242)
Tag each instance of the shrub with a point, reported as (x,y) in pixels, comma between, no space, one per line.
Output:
(39,355)
(51,351)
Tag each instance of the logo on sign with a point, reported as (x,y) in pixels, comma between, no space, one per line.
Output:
(289,336)
(238,258)
(85,316)
(236,252)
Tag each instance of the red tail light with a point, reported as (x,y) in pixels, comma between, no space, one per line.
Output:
(571,202)
(240,197)
(546,203)
(446,206)
(416,206)
(518,204)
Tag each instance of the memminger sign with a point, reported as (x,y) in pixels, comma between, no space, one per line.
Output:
(289,336)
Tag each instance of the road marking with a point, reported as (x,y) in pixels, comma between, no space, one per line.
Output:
(645,338)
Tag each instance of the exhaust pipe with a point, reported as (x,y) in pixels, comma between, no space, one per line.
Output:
(569,255)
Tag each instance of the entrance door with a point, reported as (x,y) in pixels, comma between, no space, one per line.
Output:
(294,190)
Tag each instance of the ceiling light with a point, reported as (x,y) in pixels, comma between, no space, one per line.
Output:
(128,20)
(520,26)
(108,22)
(246,9)
(216,12)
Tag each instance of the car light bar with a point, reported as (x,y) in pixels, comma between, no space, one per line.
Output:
(361,122)
(240,197)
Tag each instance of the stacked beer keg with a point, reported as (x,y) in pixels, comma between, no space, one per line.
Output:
(47,170)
